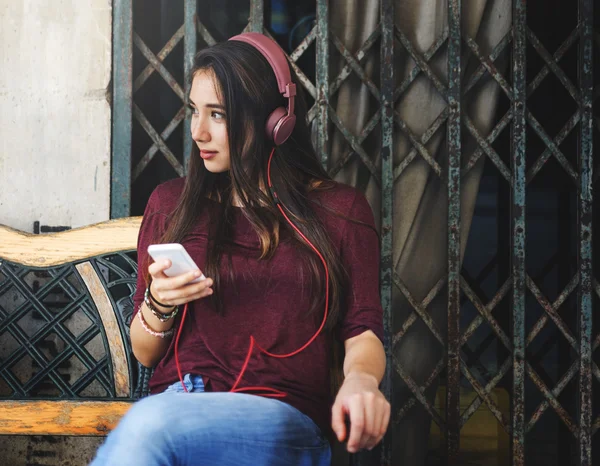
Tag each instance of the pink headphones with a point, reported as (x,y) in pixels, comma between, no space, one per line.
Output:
(281,121)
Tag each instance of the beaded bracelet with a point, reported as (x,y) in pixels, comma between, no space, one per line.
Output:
(159,315)
(145,326)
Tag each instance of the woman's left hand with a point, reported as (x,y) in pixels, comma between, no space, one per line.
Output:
(368,410)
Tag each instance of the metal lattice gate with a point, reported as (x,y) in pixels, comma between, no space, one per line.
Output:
(517,310)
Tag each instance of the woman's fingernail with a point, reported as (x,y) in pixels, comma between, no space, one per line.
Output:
(197,273)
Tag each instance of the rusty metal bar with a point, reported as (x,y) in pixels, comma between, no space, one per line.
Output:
(334,87)
(503,123)
(484,394)
(487,389)
(158,141)
(550,63)
(481,69)
(421,62)
(412,400)
(360,55)
(560,52)
(387,200)
(158,66)
(584,295)
(354,64)
(203,33)
(418,394)
(416,71)
(488,64)
(190,42)
(257,16)
(419,310)
(164,52)
(323,80)
(482,142)
(122,99)
(477,321)
(304,45)
(552,310)
(423,151)
(150,153)
(558,408)
(518,129)
(453,370)
(364,157)
(427,135)
(486,313)
(560,157)
(408,323)
(562,383)
(558,140)
(369,127)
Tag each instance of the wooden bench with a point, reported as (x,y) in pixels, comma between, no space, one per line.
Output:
(66,366)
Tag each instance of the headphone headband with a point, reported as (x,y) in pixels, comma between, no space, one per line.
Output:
(281,122)
(274,55)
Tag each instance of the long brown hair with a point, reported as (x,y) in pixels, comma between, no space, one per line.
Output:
(248,90)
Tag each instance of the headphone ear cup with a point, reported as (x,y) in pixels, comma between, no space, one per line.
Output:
(273,121)
(280,125)
(284,129)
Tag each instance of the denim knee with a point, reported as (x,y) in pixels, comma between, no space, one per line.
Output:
(142,436)
(149,418)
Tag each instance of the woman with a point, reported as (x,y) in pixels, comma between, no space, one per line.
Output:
(242,370)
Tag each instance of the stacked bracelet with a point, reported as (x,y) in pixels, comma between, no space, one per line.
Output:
(156,301)
(145,326)
(159,315)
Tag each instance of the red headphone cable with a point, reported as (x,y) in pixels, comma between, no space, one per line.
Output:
(271,392)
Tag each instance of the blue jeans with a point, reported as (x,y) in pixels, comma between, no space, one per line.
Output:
(215,429)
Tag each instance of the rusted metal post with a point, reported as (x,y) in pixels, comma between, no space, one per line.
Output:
(387,203)
(584,295)
(122,103)
(190,41)
(323,80)
(518,230)
(257,15)
(454,158)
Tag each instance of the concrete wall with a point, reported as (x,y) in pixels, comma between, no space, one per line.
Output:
(55,68)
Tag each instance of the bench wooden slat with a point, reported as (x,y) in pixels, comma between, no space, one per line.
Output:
(67,246)
(111,327)
(95,418)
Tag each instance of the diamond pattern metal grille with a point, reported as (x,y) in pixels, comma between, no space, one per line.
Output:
(518,319)
(52,338)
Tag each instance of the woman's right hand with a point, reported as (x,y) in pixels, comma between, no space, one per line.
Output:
(175,291)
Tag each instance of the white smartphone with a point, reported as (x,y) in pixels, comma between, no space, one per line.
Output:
(181,262)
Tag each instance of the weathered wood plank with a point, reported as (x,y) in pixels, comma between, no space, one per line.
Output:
(60,417)
(111,327)
(59,248)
